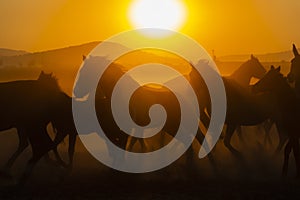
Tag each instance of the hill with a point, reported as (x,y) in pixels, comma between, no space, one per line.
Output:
(10,52)
(65,62)
(268,57)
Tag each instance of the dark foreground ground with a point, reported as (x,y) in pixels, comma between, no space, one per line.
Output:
(257,176)
(119,187)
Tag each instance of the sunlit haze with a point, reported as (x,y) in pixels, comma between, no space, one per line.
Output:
(228,27)
(162,14)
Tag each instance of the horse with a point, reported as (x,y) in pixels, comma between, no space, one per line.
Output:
(244,109)
(287,105)
(292,77)
(141,101)
(237,85)
(81,92)
(28,106)
(294,74)
(242,76)
(251,68)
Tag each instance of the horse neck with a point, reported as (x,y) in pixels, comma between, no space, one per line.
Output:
(50,85)
(242,75)
(286,97)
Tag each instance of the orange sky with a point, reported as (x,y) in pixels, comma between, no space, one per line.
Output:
(229,27)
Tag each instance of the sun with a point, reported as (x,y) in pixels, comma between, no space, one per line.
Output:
(161,14)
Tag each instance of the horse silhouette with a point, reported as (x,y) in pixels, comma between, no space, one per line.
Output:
(244,109)
(243,75)
(148,95)
(82,91)
(292,77)
(142,100)
(287,112)
(29,106)
(252,68)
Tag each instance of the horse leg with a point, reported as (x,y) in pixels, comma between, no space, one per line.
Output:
(71,150)
(131,142)
(191,167)
(229,132)
(267,125)
(204,118)
(41,143)
(282,137)
(201,139)
(57,140)
(143,144)
(296,152)
(162,138)
(29,167)
(287,151)
(23,144)
(239,133)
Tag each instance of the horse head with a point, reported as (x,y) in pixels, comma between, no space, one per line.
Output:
(294,74)
(49,81)
(251,68)
(85,82)
(272,81)
(195,78)
(255,68)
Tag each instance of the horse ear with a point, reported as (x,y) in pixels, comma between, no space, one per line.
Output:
(252,57)
(272,67)
(278,69)
(296,53)
(42,73)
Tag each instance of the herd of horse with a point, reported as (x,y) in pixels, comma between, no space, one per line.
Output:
(31,105)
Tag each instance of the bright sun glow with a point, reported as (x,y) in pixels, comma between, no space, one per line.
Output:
(162,14)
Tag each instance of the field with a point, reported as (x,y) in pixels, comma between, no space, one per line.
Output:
(257,176)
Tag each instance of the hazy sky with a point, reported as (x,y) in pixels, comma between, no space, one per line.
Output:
(228,26)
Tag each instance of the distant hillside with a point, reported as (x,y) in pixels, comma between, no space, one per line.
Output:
(65,62)
(10,52)
(269,57)
(64,58)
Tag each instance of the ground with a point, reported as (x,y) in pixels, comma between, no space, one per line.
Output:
(256,176)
